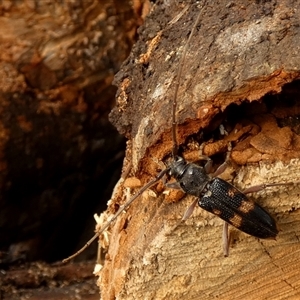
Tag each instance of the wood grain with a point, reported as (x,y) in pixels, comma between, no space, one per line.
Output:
(241,53)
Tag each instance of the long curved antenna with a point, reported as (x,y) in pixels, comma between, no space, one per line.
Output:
(121,209)
(163,172)
(177,84)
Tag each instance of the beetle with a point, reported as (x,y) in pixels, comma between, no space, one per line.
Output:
(222,199)
(212,193)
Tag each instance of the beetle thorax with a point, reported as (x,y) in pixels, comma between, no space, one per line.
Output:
(177,167)
(192,178)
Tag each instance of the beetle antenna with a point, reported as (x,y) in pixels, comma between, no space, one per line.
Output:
(121,209)
(163,172)
(177,84)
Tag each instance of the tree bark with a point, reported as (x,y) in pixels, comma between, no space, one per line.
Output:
(242,70)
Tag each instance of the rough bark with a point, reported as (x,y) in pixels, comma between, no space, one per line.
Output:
(242,70)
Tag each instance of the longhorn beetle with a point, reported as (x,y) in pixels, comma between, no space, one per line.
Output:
(212,193)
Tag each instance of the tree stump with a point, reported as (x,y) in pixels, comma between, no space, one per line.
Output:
(242,70)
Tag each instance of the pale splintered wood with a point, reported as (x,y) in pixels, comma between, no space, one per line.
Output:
(159,257)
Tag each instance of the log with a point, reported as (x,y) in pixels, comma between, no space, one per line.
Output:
(242,70)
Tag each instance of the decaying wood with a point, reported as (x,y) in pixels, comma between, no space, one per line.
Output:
(57,61)
(39,280)
(242,54)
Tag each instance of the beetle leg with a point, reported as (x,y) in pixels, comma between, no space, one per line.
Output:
(173,185)
(190,210)
(209,162)
(225,239)
(260,187)
(223,166)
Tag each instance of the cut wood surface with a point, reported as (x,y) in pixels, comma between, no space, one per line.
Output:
(242,70)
